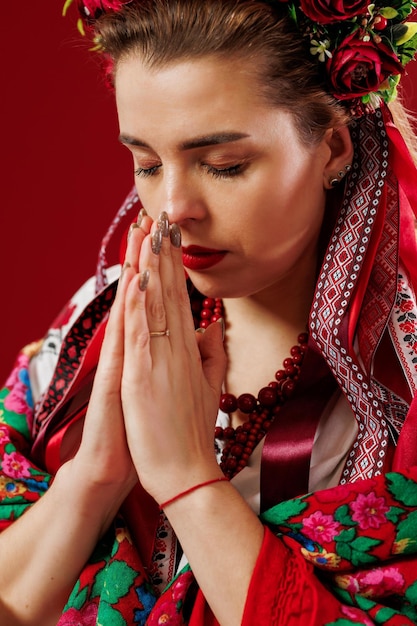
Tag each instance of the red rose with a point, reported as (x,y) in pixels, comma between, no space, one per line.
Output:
(326,11)
(359,67)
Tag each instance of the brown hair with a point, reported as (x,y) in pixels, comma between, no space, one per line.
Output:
(165,31)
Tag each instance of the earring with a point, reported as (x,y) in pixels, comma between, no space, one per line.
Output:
(334,181)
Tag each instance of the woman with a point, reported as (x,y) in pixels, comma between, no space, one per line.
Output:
(270,168)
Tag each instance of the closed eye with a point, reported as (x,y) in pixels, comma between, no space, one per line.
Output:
(225,172)
(145,172)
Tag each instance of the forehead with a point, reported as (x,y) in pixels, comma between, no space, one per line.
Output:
(209,88)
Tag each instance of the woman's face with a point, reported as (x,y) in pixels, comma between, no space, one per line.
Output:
(229,169)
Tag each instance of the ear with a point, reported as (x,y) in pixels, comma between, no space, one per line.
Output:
(341,154)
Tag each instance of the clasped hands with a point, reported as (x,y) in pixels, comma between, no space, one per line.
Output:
(155,397)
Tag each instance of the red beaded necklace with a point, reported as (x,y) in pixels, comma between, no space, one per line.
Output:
(261,411)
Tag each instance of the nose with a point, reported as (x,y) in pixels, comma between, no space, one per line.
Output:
(181,197)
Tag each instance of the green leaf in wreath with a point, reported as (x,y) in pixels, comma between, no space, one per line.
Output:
(407,51)
(388,12)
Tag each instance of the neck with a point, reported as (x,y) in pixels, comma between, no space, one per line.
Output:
(262,328)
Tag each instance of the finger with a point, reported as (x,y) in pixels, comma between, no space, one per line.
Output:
(177,301)
(153,248)
(137,356)
(213,356)
(137,233)
(111,355)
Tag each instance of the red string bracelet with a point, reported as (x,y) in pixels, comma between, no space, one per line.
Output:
(191,489)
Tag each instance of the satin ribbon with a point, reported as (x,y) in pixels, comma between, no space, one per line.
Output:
(286,454)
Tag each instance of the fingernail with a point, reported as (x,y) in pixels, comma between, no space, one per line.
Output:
(221,322)
(131,229)
(142,213)
(175,235)
(144,279)
(200,330)
(163,224)
(156,241)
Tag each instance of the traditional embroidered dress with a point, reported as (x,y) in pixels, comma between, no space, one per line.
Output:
(342,555)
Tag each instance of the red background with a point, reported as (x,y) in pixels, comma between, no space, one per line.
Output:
(63,171)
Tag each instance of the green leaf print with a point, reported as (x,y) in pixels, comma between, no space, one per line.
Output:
(406,531)
(394,514)
(355,549)
(344,516)
(108,616)
(403,489)
(284,511)
(18,421)
(118,578)
(77,598)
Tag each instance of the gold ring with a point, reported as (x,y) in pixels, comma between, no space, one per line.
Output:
(159,333)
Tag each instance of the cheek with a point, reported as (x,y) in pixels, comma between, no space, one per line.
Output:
(146,198)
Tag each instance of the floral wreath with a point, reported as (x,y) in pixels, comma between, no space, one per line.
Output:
(362,48)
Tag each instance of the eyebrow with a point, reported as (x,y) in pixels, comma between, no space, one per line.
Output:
(197,142)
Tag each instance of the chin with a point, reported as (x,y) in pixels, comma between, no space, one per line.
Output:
(216,288)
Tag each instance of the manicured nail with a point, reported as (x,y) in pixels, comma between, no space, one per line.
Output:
(163,224)
(156,241)
(221,322)
(142,213)
(200,330)
(131,229)
(144,279)
(175,234)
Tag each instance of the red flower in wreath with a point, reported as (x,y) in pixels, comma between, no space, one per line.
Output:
(93,8)
(326,11)
(358,67)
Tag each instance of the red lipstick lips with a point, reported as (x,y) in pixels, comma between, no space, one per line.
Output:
(198,258)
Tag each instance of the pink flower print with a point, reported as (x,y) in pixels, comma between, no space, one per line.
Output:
(382,582)
(15,401)
(369,510)
(15,465)
(19,400)
(320,527)
(87,616)
(376,583)
(21,363)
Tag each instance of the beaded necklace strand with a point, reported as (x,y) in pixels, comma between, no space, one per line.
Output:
(261,411)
